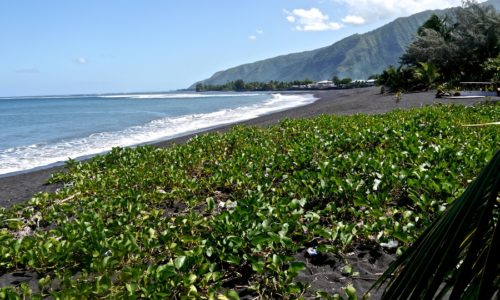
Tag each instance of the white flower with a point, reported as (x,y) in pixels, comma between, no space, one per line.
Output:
(390,245)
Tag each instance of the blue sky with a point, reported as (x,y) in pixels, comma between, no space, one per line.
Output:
(99,46)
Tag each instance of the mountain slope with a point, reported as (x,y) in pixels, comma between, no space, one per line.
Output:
(357,56)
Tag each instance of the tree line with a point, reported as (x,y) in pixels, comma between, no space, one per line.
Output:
(240,85)
(273,85)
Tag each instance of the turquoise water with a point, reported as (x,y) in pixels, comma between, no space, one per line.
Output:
(40,131)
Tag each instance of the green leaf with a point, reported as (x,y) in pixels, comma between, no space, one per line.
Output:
(190,279)
(233,295)
(192,290)
(233,259)
(131,288)
(179,262)
(209,251)
(295,267)
(210,203)
(347,270)
(165,271)
(258,266)
(351,292)
(103,283)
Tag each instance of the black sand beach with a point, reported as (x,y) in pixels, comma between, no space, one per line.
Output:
(323,272)
(21,187)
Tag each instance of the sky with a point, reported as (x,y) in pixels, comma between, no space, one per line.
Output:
(54,47)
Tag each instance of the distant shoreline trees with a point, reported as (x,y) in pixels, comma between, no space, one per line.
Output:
(240,85)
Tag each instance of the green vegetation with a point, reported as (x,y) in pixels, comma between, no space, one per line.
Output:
(462,46)
(223,214)
(240,85)
(343,81)
(492,68)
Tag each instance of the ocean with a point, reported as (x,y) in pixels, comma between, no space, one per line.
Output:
(43,131)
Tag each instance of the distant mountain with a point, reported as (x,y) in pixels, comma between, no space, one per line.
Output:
(357,56)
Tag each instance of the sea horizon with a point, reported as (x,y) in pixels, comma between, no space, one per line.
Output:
(57,95)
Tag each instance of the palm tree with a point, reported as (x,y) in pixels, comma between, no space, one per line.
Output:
(427,73)
(458,256)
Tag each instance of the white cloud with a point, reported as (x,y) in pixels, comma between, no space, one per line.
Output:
(373,10)
(27,70)
(311,20)
(356,20)
(80,60)
(253,37)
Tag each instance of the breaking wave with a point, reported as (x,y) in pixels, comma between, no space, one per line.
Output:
(38,155)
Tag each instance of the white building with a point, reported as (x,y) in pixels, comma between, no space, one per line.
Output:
(371,82)
(324,84)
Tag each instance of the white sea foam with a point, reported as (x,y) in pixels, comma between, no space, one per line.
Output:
(38,155)
(176,96)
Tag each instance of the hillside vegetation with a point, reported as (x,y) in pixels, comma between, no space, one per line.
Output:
(223,214)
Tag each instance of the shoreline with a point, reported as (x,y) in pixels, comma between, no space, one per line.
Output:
(20,187)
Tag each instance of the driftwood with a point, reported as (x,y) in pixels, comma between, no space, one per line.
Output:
(480,125)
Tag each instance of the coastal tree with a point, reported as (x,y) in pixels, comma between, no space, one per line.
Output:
(199,87)
(492,68)
(433,46)
(426,74)
(239,85)
(397,79)
(336,80)
(346,80)
(450,48)
(437,24)
(476,36)
(458,43)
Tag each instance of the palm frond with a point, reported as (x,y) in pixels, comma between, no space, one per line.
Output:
(458,256)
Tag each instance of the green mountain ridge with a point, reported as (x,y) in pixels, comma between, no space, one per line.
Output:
(357,56)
